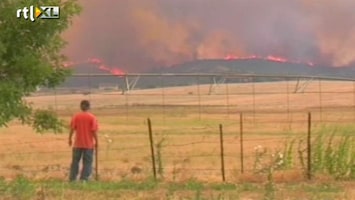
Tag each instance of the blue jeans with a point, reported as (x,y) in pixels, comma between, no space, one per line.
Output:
(87,156)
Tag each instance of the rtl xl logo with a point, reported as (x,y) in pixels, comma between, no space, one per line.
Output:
(42,12)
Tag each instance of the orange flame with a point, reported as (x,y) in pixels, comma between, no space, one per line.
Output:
(100,65)
(267,58)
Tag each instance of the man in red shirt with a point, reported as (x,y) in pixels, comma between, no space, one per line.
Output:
(84,125)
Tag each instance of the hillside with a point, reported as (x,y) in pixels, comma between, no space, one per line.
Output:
(256,66)
(249,66)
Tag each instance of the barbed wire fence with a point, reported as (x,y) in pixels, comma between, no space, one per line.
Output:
(201,160)
(233,115)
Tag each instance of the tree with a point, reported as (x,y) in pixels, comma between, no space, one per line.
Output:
(30,57)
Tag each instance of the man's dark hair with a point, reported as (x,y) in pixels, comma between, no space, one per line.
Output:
(85,105)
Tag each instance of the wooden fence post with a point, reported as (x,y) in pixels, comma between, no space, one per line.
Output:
(241,144)
(152,148)
(222,152)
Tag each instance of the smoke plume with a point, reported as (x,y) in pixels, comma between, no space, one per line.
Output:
(136,35)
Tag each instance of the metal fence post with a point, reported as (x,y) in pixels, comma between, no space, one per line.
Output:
(288,103)
(89,83)
(253,88)
(309,148)
(241,144)
(227,99)
(222,152)
(354,98)
(320,100)
(55,105)
(126,100)
(163,96)
(199,97)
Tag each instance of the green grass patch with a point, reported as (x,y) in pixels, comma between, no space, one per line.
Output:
(322,188)
(189,185)
(333,153)
(148,184)
(23,188)
(223,186)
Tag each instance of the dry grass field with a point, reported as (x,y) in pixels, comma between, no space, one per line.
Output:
(185,121)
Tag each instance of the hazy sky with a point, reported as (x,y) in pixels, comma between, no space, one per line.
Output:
(136,35)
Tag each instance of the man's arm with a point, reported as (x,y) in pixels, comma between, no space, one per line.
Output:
(72,130)
(71,133)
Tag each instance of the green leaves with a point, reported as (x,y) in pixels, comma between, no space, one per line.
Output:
(30,56)
(45,120)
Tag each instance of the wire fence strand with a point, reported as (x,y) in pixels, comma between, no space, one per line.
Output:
(186,110)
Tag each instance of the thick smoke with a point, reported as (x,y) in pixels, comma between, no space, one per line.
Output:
(139,34)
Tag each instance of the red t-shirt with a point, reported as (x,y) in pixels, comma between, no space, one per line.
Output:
(84,124)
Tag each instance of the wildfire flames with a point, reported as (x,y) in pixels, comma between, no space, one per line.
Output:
(99,64)
(268,58)
(156,33)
